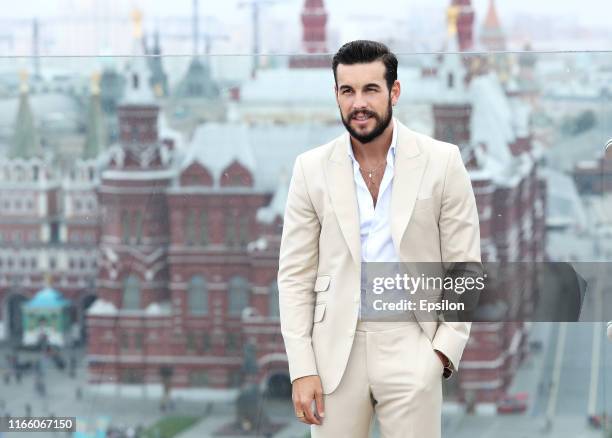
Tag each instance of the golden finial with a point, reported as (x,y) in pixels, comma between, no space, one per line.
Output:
(158,90)
(137,23)
(23,79)
(95,83)
(452,15)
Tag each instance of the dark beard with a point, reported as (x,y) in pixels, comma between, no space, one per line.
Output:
(379,128)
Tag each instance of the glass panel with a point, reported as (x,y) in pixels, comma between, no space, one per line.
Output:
(150,194)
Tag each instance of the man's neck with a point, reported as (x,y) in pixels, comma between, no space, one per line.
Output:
(376,150)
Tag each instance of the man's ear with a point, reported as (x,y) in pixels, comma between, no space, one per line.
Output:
(395,91)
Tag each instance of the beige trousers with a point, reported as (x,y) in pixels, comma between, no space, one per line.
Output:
(393,373)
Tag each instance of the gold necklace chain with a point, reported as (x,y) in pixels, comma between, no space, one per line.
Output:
(372,171)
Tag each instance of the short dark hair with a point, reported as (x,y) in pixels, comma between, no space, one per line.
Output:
(366,51)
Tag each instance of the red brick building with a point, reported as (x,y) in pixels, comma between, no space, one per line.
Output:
(48,226)
(184,281)
(492,128)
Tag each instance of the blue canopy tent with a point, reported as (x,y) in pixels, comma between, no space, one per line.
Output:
(46,318)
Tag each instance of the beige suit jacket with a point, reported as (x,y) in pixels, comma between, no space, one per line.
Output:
(433,219)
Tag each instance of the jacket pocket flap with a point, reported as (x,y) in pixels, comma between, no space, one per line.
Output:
(322,283)
(319,311)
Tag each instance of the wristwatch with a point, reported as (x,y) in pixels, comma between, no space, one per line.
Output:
(447,372)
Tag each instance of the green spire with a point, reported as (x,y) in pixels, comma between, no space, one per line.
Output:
(95,141)
(26,143)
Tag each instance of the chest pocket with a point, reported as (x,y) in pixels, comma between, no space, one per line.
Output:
(422,204)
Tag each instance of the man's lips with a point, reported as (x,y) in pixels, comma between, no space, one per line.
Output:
(362,120)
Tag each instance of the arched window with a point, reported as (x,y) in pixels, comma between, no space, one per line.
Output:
(230,229)
(198,296)
(138,226)
(273,307)
(190,227)
(238,295)
(125,226)
(204,227)
(244,230)
(131,293)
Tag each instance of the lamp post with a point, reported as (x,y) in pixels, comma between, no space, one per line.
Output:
(607,156)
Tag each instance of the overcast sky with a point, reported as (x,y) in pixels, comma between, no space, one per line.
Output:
(418,22)
(595,12)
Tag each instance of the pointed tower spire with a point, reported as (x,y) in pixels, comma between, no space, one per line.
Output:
(137,114)
(158,80)
(452,71)
(26,143)
(492,20)
(137,32)
(95,141)
(452,110)
(492,36)
(138,90)
(452,15)
(156,45)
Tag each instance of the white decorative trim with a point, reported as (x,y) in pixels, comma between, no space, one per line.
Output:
(175,360)
(137,175)
(488,384)
(497,362)
(272,357)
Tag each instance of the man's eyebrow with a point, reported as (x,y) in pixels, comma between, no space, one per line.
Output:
(369,85)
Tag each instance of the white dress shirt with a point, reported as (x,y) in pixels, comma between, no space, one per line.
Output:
(375,222)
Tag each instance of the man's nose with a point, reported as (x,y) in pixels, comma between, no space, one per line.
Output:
(359,102)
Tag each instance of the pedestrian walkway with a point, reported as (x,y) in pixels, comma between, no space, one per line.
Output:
(278,411)
(530,377)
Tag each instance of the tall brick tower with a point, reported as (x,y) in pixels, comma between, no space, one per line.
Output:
(132,281)
(465,24)
(132,197)
(314,21)
(314,37)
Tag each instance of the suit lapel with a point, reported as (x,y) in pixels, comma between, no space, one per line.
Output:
(408,171)
(344,197)
(409,168)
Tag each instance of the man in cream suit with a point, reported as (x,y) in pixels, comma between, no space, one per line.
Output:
(379,193)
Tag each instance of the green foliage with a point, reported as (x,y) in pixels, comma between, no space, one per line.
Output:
(579,124)
(171,426)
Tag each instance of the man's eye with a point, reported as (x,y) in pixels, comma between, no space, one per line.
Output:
(345,91)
